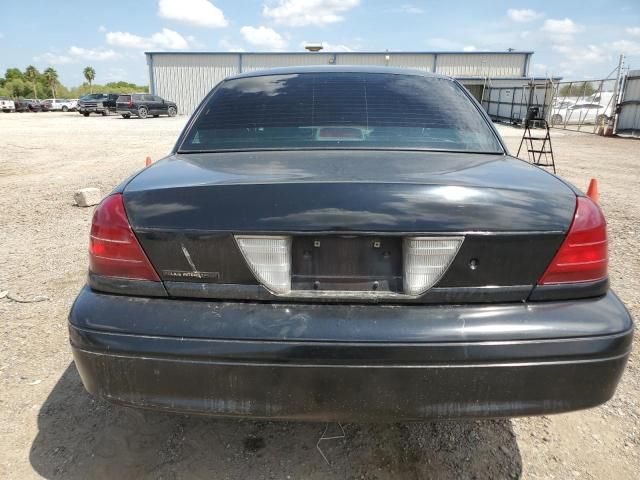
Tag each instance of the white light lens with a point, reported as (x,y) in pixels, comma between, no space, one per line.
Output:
(269,258)
(425,261)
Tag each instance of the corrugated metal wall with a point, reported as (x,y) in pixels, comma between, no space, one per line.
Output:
(629,117)
(481,65)
(252,62)
(186,78)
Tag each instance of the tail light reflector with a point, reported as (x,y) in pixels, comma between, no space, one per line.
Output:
(114,251)
(269,258)
(583,256)
(425,261)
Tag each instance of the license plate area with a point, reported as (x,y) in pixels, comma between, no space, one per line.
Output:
(346,264)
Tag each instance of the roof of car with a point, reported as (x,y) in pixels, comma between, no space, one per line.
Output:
(336,68)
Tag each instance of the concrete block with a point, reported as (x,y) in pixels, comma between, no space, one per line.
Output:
(86,197)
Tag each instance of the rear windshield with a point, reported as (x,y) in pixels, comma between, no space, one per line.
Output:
(340,110)
(124,98)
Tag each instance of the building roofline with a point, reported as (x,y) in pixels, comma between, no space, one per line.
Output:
(404,52)
(336,69)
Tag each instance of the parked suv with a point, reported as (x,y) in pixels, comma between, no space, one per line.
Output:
(103,103)
(143,105)
(7,105)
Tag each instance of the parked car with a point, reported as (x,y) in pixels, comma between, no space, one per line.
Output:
(581,113)
(102,103)
(60,104)
(142,105)
(348,243)
(27,105)
(7,105)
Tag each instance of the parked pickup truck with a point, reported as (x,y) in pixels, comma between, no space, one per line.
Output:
(60,104)
(103,103)
(7,105)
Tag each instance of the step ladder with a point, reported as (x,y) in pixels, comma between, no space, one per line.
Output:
(535,152)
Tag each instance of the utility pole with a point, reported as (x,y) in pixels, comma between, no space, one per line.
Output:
(613,119)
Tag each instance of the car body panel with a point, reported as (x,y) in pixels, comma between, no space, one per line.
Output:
(345,362)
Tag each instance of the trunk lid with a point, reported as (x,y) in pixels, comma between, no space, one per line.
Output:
(357,191)
(347,213)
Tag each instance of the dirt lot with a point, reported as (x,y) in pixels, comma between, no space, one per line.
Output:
(50,427)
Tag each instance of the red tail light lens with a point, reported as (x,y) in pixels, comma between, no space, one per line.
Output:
(583,254)
(114,250)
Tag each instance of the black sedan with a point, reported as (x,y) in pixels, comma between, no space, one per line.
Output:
(345,243)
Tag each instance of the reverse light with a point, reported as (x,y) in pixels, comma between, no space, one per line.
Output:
(583,256)
(114,251)
(425,261)
(269,258)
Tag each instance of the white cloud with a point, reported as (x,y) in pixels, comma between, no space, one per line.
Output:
(128,40)
(523,15)
(469,48)
(167,39)
(263,37)
(54,59)
(75,54)
(627,47)
(170,40)
(102,29)
(578,54)
(300,13)
(227,45)
(561,27)
(635,31)
(97,55)
(200,13)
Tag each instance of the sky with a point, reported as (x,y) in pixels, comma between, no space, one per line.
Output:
(572,39)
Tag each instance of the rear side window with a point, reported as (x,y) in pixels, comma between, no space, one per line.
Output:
(345,110)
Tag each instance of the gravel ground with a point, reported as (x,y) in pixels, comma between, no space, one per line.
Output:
(50,427)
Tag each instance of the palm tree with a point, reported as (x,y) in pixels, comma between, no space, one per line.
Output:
(89,74)
(52,79)
(31,74)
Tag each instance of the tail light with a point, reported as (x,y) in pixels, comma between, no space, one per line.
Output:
(582,257)
(114,250)
(130,104)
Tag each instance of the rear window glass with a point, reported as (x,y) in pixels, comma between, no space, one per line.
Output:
(124,98)
(340,110)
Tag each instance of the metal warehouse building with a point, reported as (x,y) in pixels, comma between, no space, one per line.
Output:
(186,77)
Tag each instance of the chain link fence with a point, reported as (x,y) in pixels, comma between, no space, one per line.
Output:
(583,106)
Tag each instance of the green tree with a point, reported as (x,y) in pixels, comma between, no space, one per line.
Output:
(13,73)
(52,79)
(17,87)
(90,75)
(31,73)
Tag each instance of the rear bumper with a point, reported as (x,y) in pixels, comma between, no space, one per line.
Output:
(338,362)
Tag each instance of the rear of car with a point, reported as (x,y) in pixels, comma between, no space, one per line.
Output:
(7,105)
(348,244)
